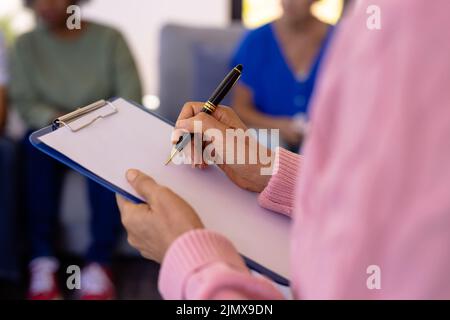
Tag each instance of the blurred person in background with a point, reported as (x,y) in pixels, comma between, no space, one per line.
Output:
(53,71)
(3,80)
(281,61)
(8,254)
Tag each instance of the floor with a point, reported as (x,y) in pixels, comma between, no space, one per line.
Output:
(135,279)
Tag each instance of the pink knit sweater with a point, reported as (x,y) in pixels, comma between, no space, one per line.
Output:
(373,193)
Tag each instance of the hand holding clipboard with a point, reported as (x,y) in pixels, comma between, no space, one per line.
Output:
(105,139)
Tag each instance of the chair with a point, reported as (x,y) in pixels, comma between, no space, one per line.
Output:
(192,62)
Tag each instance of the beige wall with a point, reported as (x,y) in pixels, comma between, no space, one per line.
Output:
(141,20)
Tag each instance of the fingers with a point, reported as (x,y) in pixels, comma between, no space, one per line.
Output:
(192,120)
(227,116)
(122,203)
(145,186)
(224,114)
(200,123)
(129,211)
(190,109)
(177,133)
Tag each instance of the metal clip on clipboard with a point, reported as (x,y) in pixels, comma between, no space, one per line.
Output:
(69,118)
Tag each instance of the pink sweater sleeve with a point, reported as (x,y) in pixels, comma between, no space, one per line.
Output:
(372,215)
(202,264)
(279,195)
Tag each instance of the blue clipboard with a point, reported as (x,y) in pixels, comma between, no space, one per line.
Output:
(34,139)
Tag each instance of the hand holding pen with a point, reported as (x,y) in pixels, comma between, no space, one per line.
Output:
(210,106)
(247,176)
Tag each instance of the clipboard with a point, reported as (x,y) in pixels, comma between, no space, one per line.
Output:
(99,114)
(65,121)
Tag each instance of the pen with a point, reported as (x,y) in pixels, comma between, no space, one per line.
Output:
(210,105)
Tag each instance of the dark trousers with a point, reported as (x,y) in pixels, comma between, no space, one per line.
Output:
(9,252)
(44,177)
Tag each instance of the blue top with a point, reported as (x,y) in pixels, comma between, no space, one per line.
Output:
(277,90)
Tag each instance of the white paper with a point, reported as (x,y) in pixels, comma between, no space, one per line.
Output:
(133,138)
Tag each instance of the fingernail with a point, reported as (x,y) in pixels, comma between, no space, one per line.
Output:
(131,175)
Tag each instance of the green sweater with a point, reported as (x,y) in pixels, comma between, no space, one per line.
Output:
(51,76)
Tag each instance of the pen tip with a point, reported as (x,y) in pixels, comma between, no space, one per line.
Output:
(239,67)
(168,161)
(172,154)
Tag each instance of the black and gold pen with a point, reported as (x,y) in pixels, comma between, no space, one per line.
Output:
(221,91)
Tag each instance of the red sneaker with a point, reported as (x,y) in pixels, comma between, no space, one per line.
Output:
(96,283)
(43,283)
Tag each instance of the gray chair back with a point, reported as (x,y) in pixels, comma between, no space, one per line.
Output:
(192,62)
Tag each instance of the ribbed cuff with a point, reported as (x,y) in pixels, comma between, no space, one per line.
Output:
(279,195)
(188,254)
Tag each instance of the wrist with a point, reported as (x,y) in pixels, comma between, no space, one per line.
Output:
(266,161)
(171,238)
(261,182)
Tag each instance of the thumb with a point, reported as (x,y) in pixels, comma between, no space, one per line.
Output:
(143,184)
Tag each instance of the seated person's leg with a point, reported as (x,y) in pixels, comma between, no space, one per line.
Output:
(105,223)
(9,268)
(96,278)
(43,178)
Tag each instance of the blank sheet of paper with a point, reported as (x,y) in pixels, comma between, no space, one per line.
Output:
(133,138)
